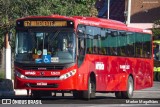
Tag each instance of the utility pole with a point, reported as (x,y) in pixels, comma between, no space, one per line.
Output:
(129,13)
(108,9)
(7,57)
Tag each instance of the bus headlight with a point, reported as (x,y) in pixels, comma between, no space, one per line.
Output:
(18,74)
(67,75)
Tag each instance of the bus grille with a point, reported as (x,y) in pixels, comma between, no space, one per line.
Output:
(43,67)
(47,86)
(43,77)
(32,66)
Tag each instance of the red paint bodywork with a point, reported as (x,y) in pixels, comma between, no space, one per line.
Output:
(112,78)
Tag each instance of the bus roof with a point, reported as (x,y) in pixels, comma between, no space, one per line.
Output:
(46,17)
(94,21)
(108,23)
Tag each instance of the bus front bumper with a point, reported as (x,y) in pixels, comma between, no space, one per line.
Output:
(66,84)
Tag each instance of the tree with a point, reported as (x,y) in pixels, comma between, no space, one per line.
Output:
(13,9)
(156,29)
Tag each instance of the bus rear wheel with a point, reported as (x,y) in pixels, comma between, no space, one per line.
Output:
(130,87)
(155,78)
(118,94)
(158,76)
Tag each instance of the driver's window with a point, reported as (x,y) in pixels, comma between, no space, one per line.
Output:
(81,47)
(81,39)
(81,43)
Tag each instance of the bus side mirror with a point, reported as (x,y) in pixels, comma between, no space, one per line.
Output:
(81,34)
(10,35)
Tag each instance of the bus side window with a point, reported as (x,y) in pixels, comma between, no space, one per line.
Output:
(138,44)
(89,50)
(103,51)
(147,45)
(130,44)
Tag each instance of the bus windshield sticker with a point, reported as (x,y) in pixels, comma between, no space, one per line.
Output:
(46,58)
(55,59)
(44,51)
(99,66)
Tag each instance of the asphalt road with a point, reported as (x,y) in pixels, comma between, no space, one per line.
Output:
(146,97)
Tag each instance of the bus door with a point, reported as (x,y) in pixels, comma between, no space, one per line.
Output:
(82,65)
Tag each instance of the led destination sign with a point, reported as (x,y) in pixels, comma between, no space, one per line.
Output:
(44,23)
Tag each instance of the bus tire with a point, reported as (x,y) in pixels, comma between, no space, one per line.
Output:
(155,76)
(39,94)
(90,93)
(35,94)
(93,90)
(130,87)
(158,76)
(118,94)
(77,94)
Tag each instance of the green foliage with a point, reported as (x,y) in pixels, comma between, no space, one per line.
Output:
(156,28)
(13,9)
(1,39)
(2,74)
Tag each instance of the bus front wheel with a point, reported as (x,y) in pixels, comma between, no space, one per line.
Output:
(39,94)
(90,93)
(35,94)
(77,94)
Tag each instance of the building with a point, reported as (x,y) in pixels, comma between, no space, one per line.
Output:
(135,13)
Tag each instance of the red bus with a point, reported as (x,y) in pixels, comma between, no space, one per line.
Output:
(82,55)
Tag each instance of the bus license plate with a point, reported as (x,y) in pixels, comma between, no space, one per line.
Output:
(41,84)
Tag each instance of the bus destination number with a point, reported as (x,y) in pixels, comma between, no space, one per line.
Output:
(44,23)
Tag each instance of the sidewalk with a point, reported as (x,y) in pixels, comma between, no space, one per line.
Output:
(7,88)
(7,93)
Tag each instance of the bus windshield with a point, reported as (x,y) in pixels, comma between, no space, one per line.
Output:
(32,46)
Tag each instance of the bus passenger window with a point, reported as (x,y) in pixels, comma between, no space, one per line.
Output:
(95,50)
(103,51)
(89,50)
(113,51)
